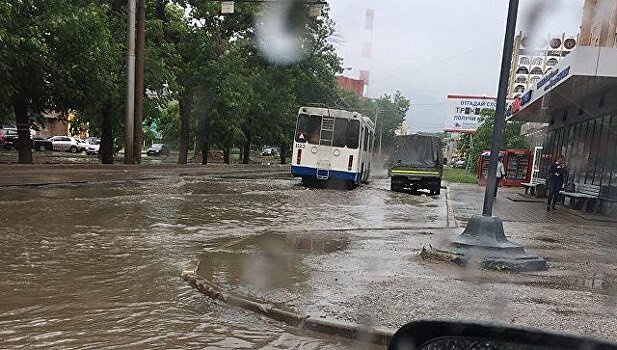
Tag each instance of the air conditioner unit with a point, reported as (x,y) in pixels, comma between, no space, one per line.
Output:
(555,43)
(569,44)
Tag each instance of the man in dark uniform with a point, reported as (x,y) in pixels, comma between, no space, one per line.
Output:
(556,175)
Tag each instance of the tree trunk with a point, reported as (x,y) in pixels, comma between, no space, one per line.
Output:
(138,127)
(205,149)
(247,144)
(24,146)
(185,118)
(283,154)
(106,148)
(241,155)
(226,152)
(247,150)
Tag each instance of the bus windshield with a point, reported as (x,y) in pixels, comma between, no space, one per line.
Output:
(308,128)
(346,132)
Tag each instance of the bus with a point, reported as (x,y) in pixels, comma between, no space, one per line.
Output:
(332,144)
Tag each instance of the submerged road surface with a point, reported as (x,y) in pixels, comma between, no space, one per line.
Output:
(97,265)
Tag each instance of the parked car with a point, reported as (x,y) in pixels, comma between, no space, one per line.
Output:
(92,145)
(82,145)
(9,138)
(158,149)
(461,163)
(269,151)
(41,144)
(65,143)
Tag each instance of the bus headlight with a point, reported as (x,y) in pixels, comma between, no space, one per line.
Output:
(337,152)
(314,150)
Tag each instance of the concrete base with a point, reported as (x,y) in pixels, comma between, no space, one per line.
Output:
(484,243)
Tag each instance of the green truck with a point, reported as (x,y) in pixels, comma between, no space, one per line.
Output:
(415,163)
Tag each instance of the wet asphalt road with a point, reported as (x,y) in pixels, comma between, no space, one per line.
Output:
(97,265)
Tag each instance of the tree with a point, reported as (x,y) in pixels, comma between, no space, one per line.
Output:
(483,138)
(387,111)
(49,58)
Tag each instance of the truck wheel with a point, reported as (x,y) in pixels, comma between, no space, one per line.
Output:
(73,149)
(395,186)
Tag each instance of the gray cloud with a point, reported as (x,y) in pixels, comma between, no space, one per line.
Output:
(428,49)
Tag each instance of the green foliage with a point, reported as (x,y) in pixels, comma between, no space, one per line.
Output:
(388,112)
(459,176)
(483,138)
(70,56)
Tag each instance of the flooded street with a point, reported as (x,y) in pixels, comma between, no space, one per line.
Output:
(98,265)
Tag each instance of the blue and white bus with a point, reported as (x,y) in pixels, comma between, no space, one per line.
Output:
(332,144)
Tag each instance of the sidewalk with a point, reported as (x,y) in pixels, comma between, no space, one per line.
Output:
(467,200)
(377,277)
(46,174)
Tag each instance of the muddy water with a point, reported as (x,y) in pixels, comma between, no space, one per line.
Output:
(97,265)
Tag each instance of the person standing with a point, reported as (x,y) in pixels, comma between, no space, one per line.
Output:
(501,172)
(556,175)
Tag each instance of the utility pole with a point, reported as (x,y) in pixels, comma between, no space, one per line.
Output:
(130,86)
(139,81)
(500,113)
(484,242)
(468,163)
(377,116)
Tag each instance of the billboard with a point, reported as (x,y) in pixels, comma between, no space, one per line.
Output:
(463,112)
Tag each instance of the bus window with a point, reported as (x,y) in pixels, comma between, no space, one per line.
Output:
(353,134)
(308,128)
(365,146)
(340,132)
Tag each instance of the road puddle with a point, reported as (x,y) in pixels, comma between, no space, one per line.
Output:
(271,261)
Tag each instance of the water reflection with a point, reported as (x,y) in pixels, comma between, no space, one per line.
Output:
(98,265)
(269,266)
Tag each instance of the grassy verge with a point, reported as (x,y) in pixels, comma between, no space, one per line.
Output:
(459,175)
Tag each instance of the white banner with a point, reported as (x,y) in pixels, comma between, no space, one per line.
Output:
(463,112)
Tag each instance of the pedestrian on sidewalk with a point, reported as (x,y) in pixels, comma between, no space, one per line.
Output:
(556,175)
(501,173)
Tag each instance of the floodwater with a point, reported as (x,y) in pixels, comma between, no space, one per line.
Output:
(98,265)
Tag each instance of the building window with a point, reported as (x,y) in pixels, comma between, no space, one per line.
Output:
(519,88)
(548,69)
(552,62)
(611,169)
(525,61)
(604,155)
(537,61)
(537,70)
(521,80)
(522,70)
(534,80)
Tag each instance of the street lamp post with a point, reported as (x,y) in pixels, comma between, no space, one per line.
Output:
(484,241)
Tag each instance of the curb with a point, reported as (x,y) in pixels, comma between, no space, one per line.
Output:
(451,219)
(377,336)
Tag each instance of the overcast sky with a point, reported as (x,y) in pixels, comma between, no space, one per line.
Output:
(429,49)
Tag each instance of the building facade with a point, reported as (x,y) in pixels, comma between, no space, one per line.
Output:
(576,102)
(599,24)
(532,59)
(349,84)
